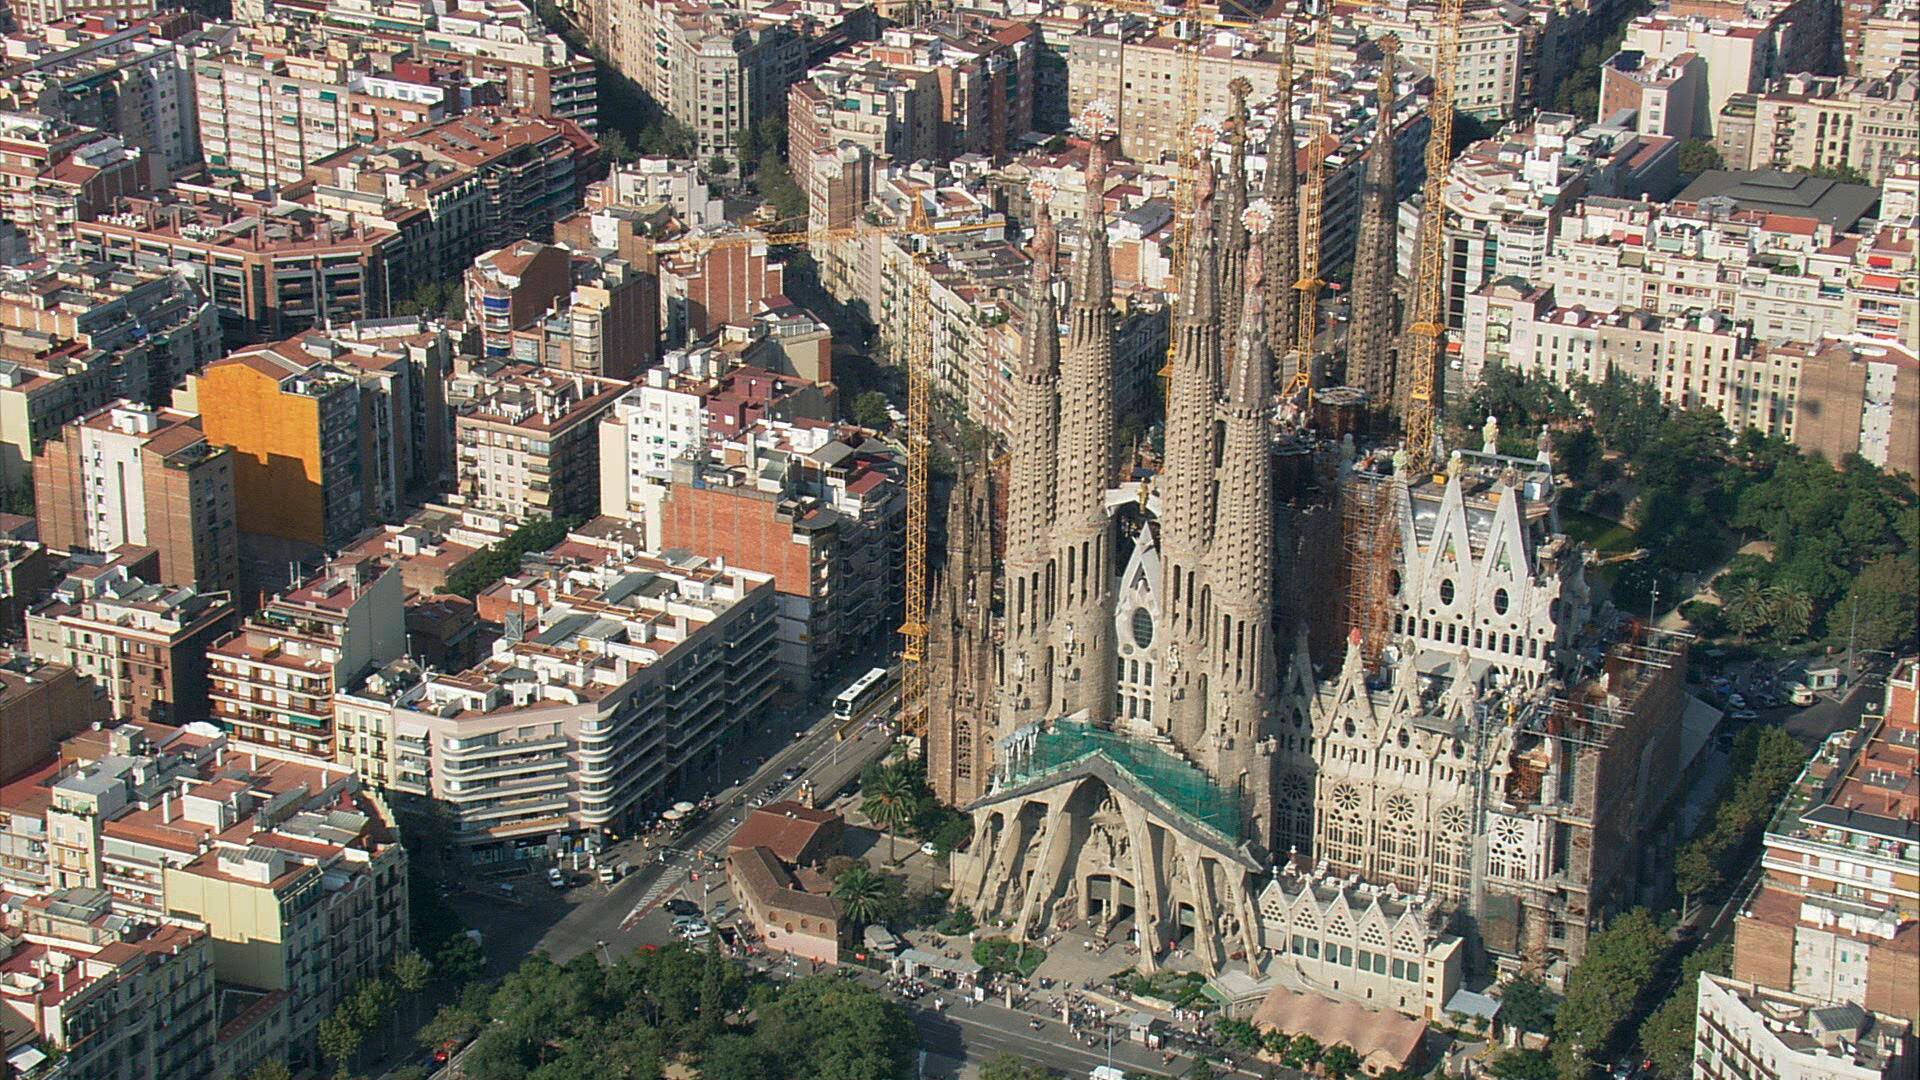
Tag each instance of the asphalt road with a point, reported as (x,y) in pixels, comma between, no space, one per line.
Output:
(627,915)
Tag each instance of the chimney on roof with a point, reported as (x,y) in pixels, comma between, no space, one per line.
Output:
(166,806)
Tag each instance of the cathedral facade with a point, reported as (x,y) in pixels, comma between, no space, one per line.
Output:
(1124,770)
(1140,755)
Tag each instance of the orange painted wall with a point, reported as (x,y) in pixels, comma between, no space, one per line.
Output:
(276,443)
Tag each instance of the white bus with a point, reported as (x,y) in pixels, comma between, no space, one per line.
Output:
(860,697)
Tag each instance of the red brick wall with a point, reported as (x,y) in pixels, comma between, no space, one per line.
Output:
(738,528)
(1763,953)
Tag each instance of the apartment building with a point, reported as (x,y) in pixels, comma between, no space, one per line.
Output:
(959,85)
(1834,916)
(627,675)
(1799,265)
(1509,198)
(540,304)
(107,996)
(26,568)
(436,209)
(43,387)
(714,277)
(41,704)
(293,871)
(272,270)
(527,439)
(147,328)
(503,42)
(694,396)
(133,474)
(272,682)
(500,45)
(1736,57)
(1860,397)
(1502,48)
(718,69)
(65,174)
(1824,122)
(1662,94)
(1746,1031)
(271,100)
(111,75)
(1889,41)
(293,423)
(144,645)
(1825,953)
(822,512)
(1125,62)
(533,170)
(650,181)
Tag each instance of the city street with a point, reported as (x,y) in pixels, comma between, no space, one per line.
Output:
(625,916)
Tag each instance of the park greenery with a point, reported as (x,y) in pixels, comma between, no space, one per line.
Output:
(896,797)
(674,1008)
(498,560)
(1004,956)
(1840,537)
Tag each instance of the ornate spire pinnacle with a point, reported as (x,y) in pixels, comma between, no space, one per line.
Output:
(1369,342)
(1093,276)
(1250,371)
(1232,205)
(1044,249)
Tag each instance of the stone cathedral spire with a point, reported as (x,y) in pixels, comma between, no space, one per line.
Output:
(1083,537)
(1232,206)
(1282,240)
(960,648)
(1187,488)
(1370,341)
(1240,656)
(1026,677)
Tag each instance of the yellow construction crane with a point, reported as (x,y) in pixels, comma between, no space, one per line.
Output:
(1312,206)
(919,365)
(1428,330)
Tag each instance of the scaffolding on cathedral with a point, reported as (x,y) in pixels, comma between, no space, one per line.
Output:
(1179,784)
(1370,536)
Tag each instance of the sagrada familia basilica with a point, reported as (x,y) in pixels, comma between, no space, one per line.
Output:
(1124,692)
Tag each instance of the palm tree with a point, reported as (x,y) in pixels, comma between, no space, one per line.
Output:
(861,893)
(1792,610)
(890,804)
(1749,607)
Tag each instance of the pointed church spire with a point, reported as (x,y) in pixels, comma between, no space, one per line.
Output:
(1186,496)
(1030,509)
(1370,340)
(1239,567)
(1282,191)
(1232,205)
(1083,536)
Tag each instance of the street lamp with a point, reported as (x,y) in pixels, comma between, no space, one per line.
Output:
(602,945)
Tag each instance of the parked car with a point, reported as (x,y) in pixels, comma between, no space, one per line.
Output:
(1744,714)
(607,875)
(678,906)
(790,775)
(927,848)
(697,932)
(556,877)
